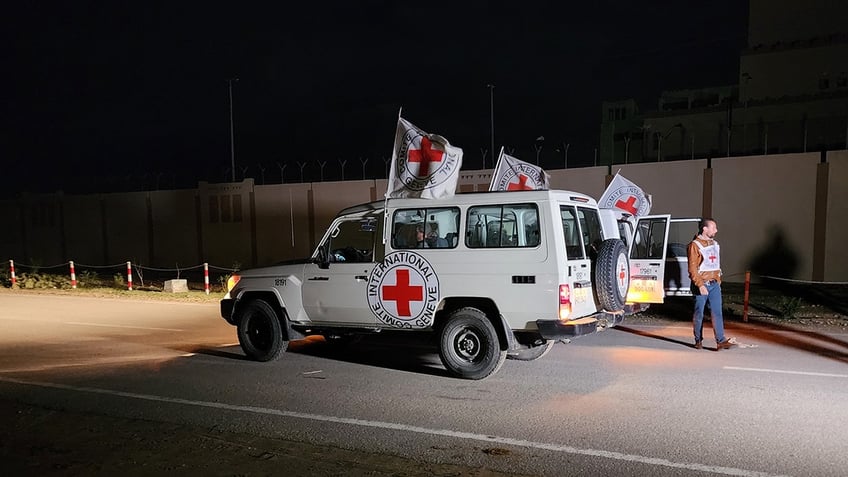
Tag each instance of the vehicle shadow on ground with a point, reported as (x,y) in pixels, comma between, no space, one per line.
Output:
(803,340)
(813,342)
(217,352)
(411,354)
(648,334)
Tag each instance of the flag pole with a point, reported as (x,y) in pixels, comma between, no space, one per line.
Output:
(388,181)
(495,170)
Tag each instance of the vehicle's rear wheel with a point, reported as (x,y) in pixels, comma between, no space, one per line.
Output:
(532,353)
(469,346)
(612,275)
(259,331)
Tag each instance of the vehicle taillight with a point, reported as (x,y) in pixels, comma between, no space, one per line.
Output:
(232,282)
(564,302)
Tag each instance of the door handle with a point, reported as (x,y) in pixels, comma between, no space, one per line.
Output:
(360,277)
(319,279)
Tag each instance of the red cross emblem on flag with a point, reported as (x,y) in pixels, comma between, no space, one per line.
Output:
(402,293)
(628,206)
(425,156)
(521,184)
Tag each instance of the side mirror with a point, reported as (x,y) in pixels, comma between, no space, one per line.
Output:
(321,259)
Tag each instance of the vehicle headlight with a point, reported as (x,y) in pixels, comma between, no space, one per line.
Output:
(233,280)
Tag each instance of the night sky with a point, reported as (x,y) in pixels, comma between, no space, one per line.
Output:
(99,97)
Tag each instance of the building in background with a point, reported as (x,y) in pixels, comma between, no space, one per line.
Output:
(791,96)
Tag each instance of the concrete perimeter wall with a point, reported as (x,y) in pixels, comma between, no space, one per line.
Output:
(780,215)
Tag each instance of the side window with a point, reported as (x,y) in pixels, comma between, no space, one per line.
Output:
(648,241)
(353,241)
(591,231)
(571,232)
(679,235)
(425,228)
(502,226)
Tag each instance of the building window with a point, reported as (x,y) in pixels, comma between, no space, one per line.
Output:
(824,83)
(842,81)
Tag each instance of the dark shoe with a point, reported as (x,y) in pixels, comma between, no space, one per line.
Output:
(698,345)
(726,344)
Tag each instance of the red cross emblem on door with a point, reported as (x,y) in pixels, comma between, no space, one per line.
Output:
(402,293)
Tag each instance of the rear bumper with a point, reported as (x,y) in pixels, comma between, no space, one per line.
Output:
(557,330)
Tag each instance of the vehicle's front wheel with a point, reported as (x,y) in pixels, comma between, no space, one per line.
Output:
(469,346)
(259,331)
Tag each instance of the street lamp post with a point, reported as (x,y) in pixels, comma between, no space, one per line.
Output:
(563,148)
(538,146)
(491,120)
(661,136)
(232,139)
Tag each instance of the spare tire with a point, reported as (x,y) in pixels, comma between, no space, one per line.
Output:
(612,275)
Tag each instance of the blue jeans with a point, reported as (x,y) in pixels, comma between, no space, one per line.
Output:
(713,296)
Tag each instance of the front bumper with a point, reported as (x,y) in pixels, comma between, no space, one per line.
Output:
(227,305)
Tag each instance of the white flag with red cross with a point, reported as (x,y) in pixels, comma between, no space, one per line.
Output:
(512,173)
(625,196)
(423,165)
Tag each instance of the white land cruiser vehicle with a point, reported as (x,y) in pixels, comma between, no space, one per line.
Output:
(492,275)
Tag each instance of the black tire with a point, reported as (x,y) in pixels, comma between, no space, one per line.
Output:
(469,345)
(532,353)
(612,275)
(259,331)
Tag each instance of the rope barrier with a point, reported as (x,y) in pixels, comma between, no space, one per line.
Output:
(73,267)
(79,265)
(181,269)
(19,264)
(224,268)
(807,282)
(100,266)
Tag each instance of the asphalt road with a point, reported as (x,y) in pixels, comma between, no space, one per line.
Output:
(634,400)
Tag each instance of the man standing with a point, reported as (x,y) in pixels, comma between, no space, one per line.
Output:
(705,273)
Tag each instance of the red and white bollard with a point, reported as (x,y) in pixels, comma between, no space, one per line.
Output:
(12,269)
(206,277)
(73,276)
(129,276)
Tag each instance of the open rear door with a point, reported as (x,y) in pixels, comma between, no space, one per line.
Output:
(647,259)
